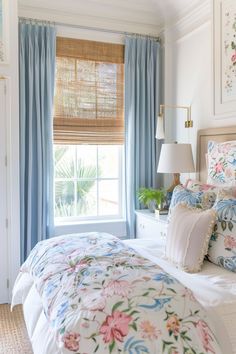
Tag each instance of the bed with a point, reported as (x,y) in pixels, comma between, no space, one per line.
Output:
(96,294)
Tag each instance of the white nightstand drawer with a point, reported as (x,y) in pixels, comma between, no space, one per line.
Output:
(150,227)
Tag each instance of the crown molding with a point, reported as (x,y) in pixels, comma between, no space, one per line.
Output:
(196,18)
(88,21)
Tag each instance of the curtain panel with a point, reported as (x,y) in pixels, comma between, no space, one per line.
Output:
(37,51)
(142,91)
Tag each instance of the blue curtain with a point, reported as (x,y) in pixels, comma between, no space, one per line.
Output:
(142,91)
(37,51)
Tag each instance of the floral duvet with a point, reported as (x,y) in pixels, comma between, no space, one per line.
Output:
(100,296)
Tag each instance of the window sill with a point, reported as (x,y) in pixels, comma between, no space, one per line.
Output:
(116,227)
(88,222)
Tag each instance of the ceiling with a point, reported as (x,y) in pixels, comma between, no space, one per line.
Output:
(150,13)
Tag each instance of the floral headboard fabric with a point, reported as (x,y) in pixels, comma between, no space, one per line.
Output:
(219,135)
(221,163)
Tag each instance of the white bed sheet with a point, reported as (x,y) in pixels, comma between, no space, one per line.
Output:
(213,287)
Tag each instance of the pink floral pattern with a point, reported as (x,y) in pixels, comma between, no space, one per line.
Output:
(71,341)
(233,58)
(229,40)
(115,327)
(173,325)
(221,162)
(102,297)
(118,287)
(205,335)
(229,242)
(149,331)
(197,186)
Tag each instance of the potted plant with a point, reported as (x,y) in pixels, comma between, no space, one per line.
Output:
(152,198)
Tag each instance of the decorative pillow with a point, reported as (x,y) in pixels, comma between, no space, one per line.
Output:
(222,247)
(198,199)
(188,236)
(197,186)
(221,162)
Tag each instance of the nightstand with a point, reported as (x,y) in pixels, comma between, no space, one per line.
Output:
(150,227)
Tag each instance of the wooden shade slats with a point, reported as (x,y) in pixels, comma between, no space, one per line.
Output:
(90,50)
(89,93)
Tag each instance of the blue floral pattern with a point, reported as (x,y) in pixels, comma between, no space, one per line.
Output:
(222,247)
(100,296)
(198,199)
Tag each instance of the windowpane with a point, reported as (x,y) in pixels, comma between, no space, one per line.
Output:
(108,161)
(87,181)
(108,197)
(64,199)
(86,198)
(64,161)
(86,161)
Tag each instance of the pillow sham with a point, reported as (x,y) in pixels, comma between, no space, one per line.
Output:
(188,236)
(197,199)
(197,186)
(222,246)
(221,162)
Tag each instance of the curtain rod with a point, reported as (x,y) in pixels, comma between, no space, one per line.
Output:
(34,20)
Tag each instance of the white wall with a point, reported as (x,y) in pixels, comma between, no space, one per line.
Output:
(189,75)
(188,68)
(10,70)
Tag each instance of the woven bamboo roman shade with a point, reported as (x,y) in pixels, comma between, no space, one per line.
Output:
(88,105)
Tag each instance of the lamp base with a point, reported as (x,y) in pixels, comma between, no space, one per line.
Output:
(176,182)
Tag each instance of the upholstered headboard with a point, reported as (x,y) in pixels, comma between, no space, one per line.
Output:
(205,135)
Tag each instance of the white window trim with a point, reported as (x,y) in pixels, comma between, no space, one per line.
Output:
(79,220)
(115,227)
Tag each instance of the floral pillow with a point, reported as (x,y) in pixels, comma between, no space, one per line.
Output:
(197,186)
(221,162)
(198,199)
(222,246)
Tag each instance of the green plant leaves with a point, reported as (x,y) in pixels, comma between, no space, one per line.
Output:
(230,225)
(223,225)
(147,195)
(118,304)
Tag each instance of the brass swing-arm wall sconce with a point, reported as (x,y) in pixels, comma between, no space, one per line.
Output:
(160,119)
(174,158)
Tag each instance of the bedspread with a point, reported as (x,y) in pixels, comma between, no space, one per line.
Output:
(101,296)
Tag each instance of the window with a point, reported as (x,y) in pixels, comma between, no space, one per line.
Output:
(88,130)
(88,181)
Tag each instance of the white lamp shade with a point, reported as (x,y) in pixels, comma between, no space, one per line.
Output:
(160,134)
(176,158)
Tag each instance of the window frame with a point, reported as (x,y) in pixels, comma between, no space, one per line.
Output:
(121,194)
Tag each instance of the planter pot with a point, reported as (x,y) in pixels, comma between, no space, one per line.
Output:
(152,206)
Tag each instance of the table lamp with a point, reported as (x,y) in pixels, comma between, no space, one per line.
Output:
(176,159)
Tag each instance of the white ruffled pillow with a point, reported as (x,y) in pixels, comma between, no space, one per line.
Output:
(188,236)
